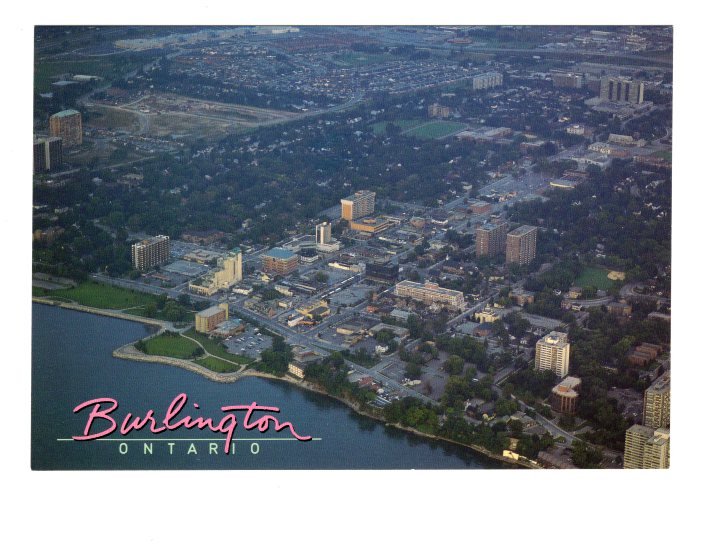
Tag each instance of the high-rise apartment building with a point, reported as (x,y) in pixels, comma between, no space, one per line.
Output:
(656,403)
(552,352)
(47,154)
(647,448)
(490,239)
(487,80)
(68,126)
(151,252)
(521,244)
(323,233)
(358,205)
(619,89)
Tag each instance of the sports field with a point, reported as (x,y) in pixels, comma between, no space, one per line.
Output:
(422,129)
(596,277)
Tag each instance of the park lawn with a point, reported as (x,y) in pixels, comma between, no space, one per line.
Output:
(213,347)
(216,365)
(404,125)
(596,277)
(435,130)
(664,154)
(97,295)
(170,345)
(360,59)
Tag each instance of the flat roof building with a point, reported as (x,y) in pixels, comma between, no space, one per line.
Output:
(47,154)
(430,293)
(622,90)
(67,125)
(227,274)
(151,252)
(656,403)
(490,239)
(279,261)
(552,352)
(521,245)
(358,205)
(206,320)
(647,448)
(564,397)
(323,233)
(487,80)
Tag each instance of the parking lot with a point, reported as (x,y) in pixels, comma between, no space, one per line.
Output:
(249,344)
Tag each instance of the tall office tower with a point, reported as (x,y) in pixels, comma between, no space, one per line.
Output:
(323,233)
(47,154)
(38,156)
(230,269)
(150,252)
(490,239)
(358,205)
(68,126)
(619,89)
(656,404)
(521,245)
(647,448)
(487,80)
(553,353)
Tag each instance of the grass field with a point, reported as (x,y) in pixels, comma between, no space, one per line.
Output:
(597,277)
(361,59)
(404,125)
(435,130)
(213,347)
(215,364)
(101,296)
(171,346)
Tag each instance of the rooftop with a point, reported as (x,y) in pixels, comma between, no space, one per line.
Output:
(209,312)
(64,113)
(522,230)
(279,253)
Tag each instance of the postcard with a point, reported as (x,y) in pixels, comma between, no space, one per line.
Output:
(351,247)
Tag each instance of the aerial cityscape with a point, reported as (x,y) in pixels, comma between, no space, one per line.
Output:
(461,232)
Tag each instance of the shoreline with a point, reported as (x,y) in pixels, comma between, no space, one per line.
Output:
(130,353)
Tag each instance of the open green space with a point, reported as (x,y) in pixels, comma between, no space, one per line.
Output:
(215,364)
(170,345)
(214,347)
(435,130)
(97,295)
(664,154)
(362,59)
(596,277)
(381,127)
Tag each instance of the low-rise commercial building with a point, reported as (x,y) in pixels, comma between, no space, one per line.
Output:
(430,293)
(206,320)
